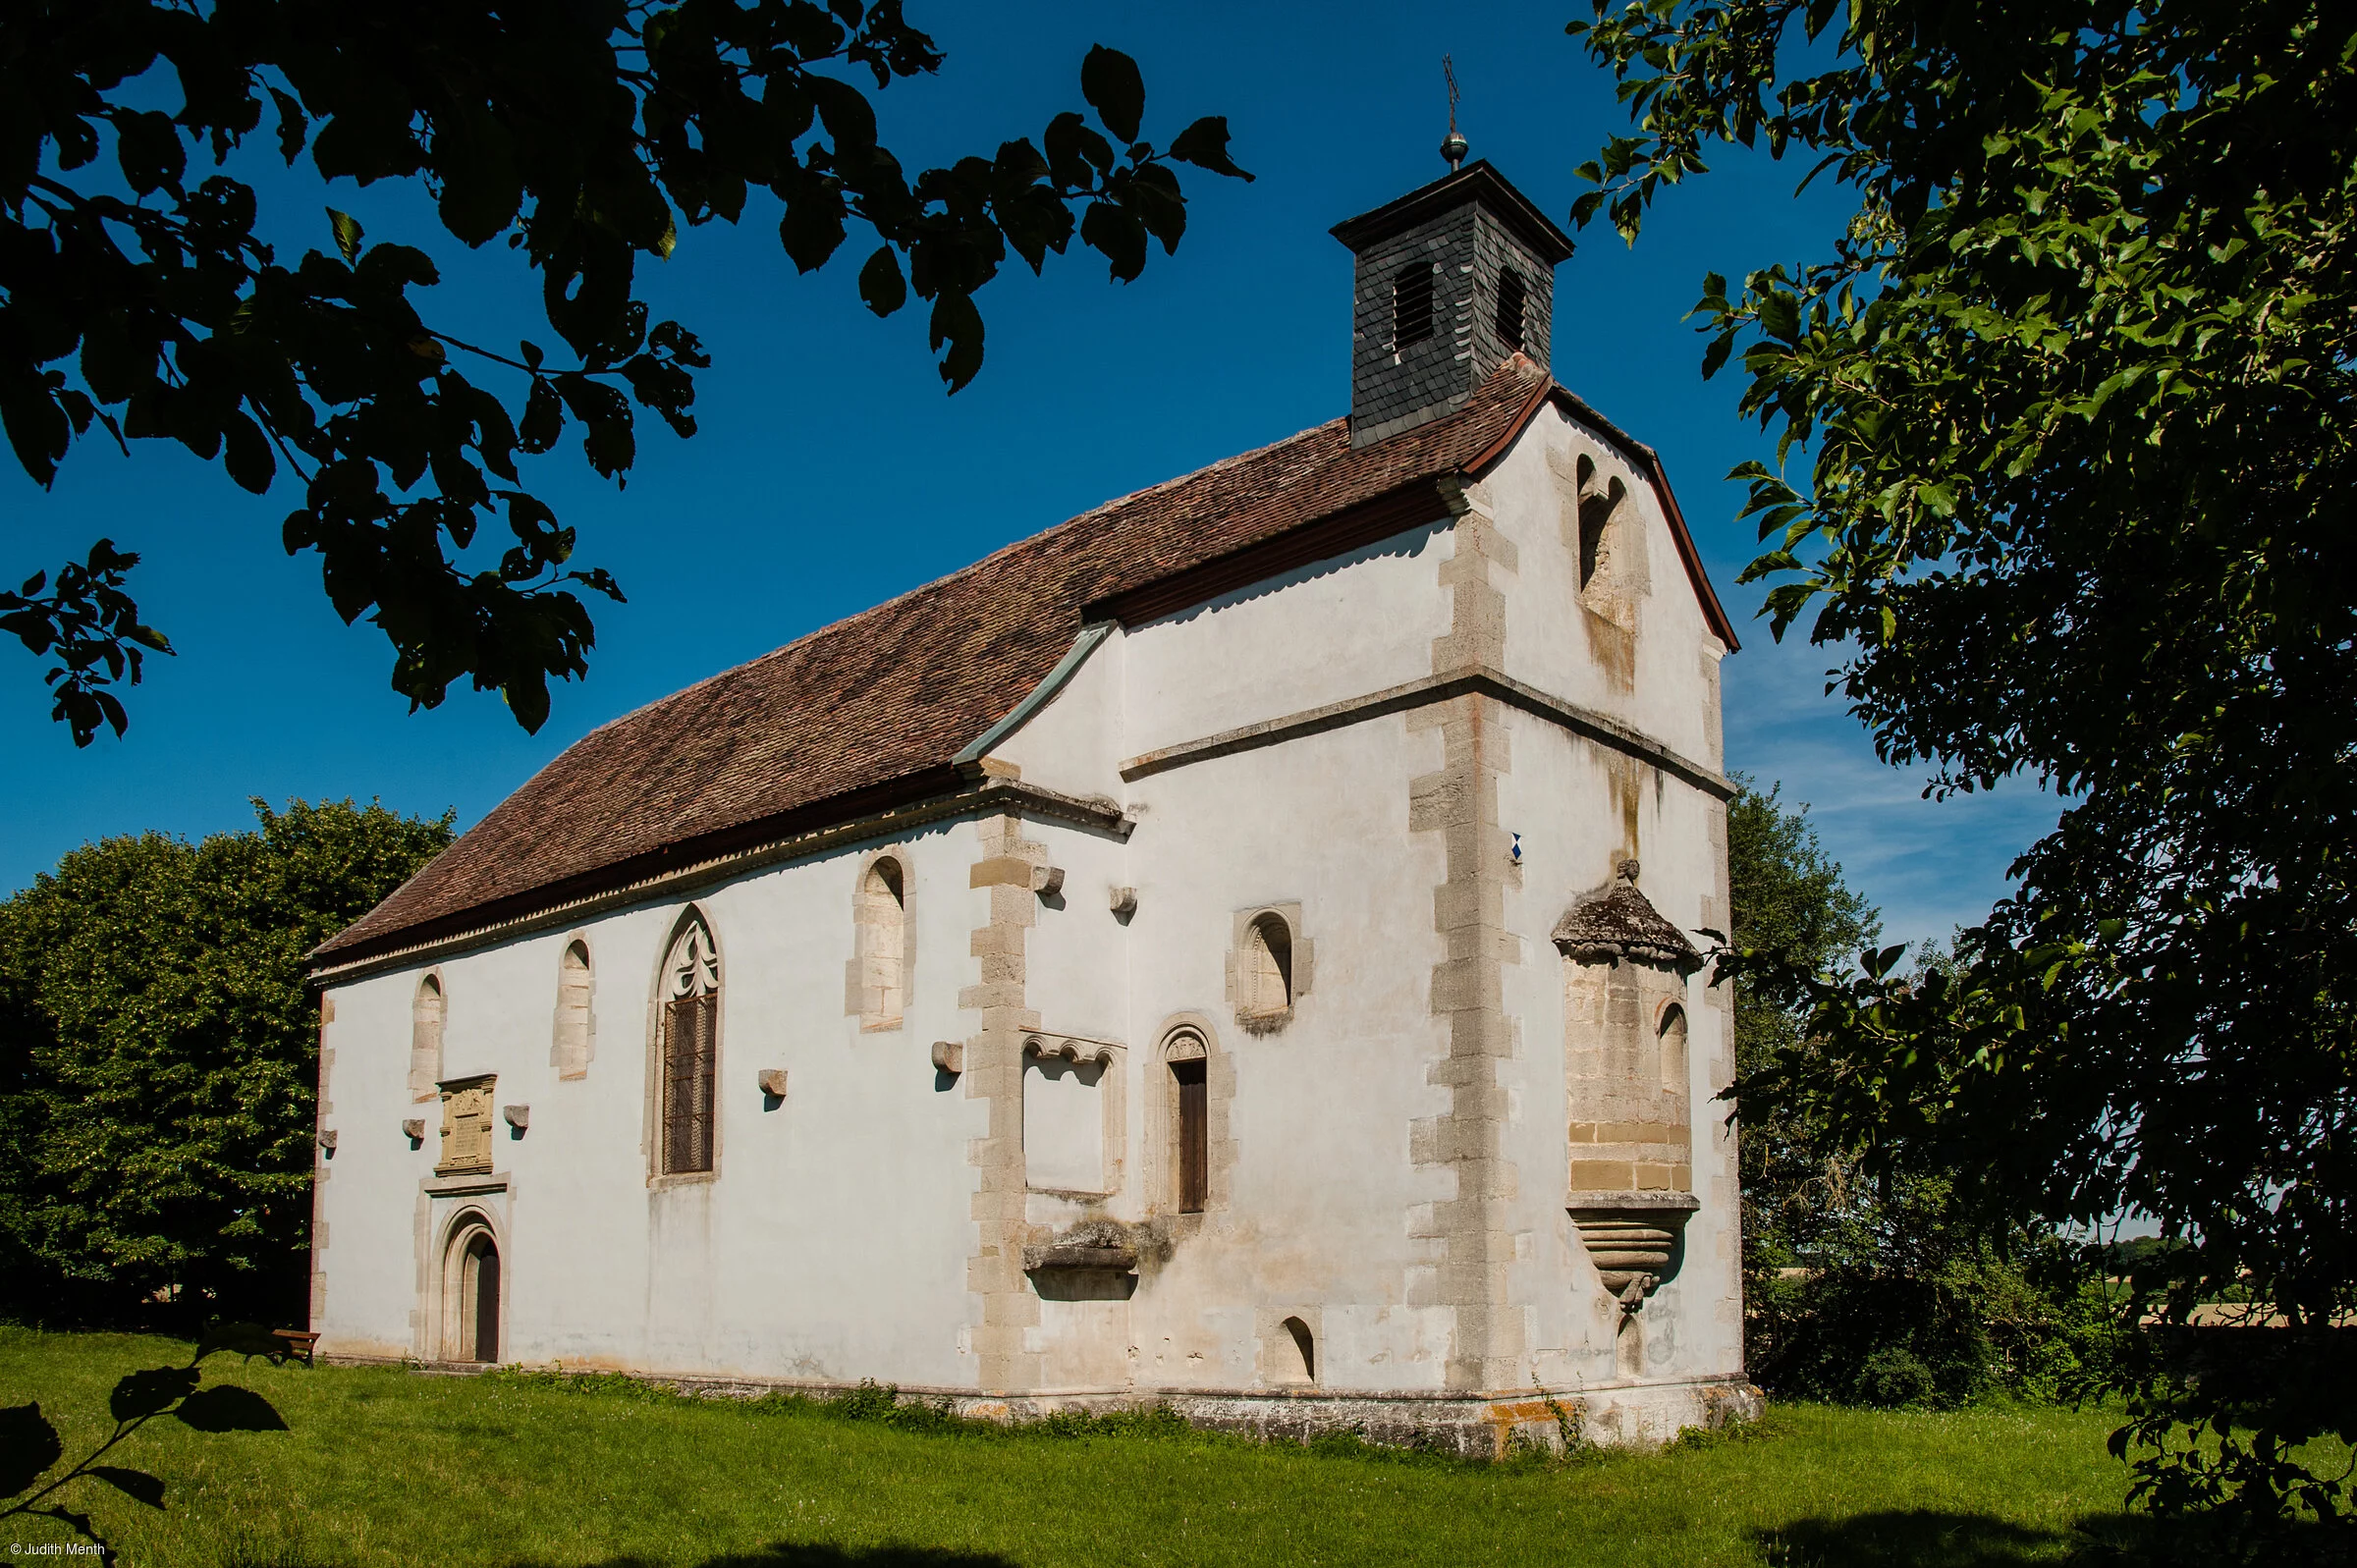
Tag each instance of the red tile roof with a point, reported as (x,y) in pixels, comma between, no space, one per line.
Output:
(870,710)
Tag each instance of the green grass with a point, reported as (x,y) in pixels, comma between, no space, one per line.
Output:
(381,1466)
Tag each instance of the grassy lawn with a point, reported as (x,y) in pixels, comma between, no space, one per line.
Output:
(382,1466)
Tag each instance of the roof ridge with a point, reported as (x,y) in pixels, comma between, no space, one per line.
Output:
(1010,547)
(892,691)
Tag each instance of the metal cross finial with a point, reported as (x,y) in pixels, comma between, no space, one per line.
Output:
(1454,147)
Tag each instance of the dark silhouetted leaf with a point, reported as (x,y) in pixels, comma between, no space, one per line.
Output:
(1110,81)
(1115,233)
(135,1484)
(246,454)
(28,1447)
(150,1392)
(481,187)
(229,1408)
(1205,145)
(292,126)
(958,324)
(812,227)
(148,147)
(881,284)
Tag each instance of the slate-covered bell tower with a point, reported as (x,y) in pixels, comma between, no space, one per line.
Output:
(1451,280)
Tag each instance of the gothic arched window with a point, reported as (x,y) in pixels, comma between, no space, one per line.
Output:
(690,1050)
(1673,1050)
(426,1009)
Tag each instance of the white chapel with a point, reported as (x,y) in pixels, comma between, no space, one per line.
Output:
(1238,948)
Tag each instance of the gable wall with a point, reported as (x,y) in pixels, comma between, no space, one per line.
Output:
(1663,679)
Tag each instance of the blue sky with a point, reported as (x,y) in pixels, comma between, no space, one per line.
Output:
(831,471)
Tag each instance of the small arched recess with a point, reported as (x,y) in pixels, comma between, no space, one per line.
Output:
(883,944)
(428,1008)
(574,1025)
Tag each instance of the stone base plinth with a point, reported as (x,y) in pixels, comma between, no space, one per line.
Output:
(1632,1414)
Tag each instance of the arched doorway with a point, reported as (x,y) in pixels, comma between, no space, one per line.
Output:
(481,1295)
(471,1294)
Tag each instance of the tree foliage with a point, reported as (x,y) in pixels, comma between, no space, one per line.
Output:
(135,297)
(1872,1287)
(1789,899)
(159,1061)
(2078,386)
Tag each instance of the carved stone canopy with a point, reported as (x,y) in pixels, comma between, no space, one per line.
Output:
(1621,923)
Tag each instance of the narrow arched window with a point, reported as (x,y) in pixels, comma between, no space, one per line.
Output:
(1269,966)
(1301,1365)
(1673,1050)
(1597,505)
(690,1050)
(1512,306)
(425,1039)
(572,1011)
(1190,1125)
(1411,305)
(881,964)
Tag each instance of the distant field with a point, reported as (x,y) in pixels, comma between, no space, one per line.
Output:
(385,1467)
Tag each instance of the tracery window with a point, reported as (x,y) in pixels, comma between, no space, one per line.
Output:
(690,1050)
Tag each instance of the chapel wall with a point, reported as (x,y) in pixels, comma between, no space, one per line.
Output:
(829,1242)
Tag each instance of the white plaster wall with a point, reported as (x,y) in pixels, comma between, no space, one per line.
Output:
(1074,744)
(831,1243)
(1318,634)
(1323,1186)
(1549,643)
(1076,956)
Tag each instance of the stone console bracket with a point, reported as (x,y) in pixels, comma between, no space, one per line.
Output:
(1630,1237)
(1107,1259)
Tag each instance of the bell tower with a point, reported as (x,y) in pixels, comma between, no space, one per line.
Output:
(1451,280)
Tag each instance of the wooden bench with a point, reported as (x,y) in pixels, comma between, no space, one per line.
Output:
(299,1344)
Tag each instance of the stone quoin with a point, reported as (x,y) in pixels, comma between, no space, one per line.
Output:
(1375,1093)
